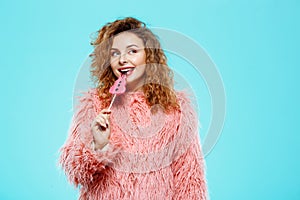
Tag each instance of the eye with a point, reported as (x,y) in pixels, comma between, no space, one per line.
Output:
(114,53)
(132,51)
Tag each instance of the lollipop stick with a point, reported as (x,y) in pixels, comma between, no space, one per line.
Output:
(117,88)
(112,101)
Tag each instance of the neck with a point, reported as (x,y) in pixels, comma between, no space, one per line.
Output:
(136,85)
(134,88)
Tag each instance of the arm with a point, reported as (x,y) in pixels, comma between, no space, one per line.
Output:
(188,167)
(189,177)
(81,163)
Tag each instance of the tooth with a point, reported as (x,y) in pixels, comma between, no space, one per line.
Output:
(125,70)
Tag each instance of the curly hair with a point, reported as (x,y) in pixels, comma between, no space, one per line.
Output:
(159,85)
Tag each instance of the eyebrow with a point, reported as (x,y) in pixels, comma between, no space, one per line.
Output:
(132,45)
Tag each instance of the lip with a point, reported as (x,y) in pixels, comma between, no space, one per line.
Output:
(128,72)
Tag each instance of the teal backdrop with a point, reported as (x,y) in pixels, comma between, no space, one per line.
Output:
(254,44)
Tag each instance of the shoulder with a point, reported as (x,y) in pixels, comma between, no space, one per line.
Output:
(185,99)
(188,106)
(88,100)
(91,94)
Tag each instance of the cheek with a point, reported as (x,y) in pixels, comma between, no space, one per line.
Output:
(115,72)
(113,67)
(141,70)
(140,60)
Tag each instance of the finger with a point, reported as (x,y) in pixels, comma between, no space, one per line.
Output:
(102,116)
(106,123)
(100,119)
(106,112)
(101,128)
(103,119)
(100,124)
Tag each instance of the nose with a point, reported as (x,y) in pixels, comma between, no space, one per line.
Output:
(123,59)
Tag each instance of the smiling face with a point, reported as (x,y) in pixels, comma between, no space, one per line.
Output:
(127,56)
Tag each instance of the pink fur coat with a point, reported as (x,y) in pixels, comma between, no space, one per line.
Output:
(149,156)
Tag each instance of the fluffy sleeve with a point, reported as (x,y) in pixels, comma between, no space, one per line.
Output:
(188,169)
(83,165)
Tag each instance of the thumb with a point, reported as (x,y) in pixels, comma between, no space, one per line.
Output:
(107,116)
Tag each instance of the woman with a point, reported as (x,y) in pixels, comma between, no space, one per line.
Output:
(147,145)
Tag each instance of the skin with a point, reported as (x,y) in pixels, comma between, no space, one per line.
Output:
(101,129)
(127,51)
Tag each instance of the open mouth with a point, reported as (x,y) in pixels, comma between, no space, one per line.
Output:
(127,70)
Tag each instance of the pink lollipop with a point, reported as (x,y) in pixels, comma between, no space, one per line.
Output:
(119,87)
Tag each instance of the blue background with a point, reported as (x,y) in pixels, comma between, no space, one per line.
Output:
(255,46)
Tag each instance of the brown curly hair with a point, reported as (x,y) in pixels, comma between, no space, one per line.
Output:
(159,85)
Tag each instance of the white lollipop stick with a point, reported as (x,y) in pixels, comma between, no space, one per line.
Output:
(119,87)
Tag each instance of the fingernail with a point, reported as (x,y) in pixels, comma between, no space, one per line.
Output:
(102,128)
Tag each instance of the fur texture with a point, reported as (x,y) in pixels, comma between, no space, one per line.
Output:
(150,156)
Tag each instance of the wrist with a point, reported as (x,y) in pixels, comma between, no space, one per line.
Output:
(99,146)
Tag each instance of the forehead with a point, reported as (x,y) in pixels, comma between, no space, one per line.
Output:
(125,39)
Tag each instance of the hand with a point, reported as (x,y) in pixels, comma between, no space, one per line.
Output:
(101,129)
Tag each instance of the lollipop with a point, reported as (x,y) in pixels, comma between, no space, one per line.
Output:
(119,87)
